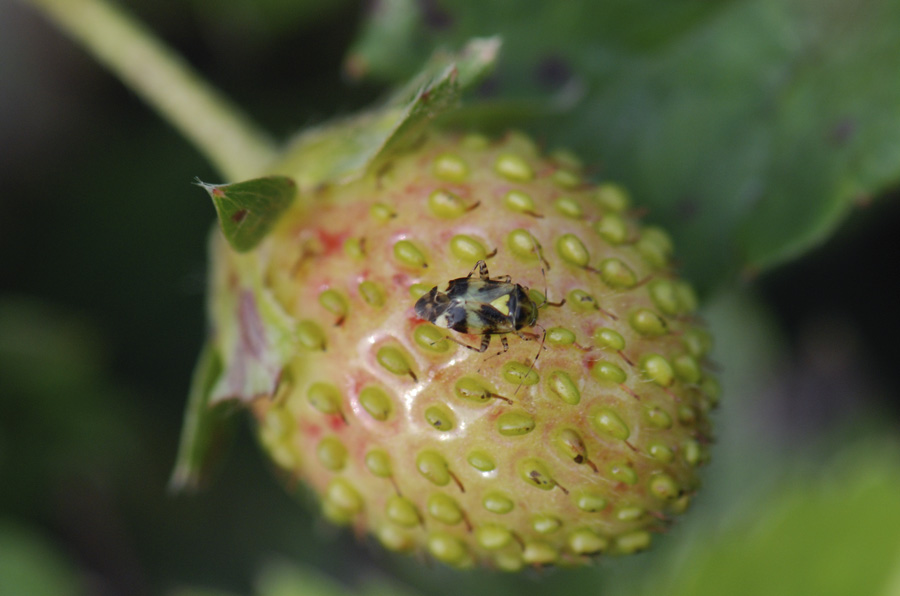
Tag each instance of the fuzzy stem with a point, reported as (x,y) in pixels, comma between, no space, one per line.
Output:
(218,129)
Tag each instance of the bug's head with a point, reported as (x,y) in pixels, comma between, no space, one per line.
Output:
(432,305)
(526,310)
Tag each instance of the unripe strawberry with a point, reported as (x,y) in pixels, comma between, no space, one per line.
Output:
(583,437)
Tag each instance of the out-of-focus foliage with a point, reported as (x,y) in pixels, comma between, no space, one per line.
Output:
(828,533)
(754,125)
(31,564)
(750,126)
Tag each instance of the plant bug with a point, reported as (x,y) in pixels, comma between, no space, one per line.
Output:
(484,306)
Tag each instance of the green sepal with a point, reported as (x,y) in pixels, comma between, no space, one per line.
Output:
(343,151)
(208,427)
(253,334)
(248,210)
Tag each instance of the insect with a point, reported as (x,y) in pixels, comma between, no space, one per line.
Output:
(484,306)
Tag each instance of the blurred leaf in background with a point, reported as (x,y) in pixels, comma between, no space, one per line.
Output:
(755,125)
(750,127)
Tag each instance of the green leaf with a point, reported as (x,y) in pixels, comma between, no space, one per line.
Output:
(30,564)
(286,579)
(345,150)
(835,534)
(207,428)
(750,128)
(389,43)
(253,334)
(248,210)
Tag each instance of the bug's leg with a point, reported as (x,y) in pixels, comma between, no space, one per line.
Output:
(546,301)
(485,342)
(482,269)
(505,349)
(528,336)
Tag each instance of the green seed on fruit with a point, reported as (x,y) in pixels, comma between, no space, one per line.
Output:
(657,369)
(608,372)
(607,338)
(586,542)
(481,461)
(561,386)
(523,245)
(570,444)
(539,553)
(332,453)
(402,512)
(417,290)
(520,374)
(372,293)
(633,542)
(566,179)
(335,303)
(444,508)
(433,467)
(493,536)
(310,336)
(560,336)
(687,297)
(439,418)
(408,254)
(664,296)
(623,472)
(612,228)
(325,398)
(608,422)
(658,418)
(519,201)
(629,513)
(394,360)
(431,339)
(568,207)
(355,248)
(382,213)
(514,424)
(513,168)
(344,496)
(687,369)
(446,204)
(468,249)
(450,167)
(379,463)
(535,472)
(661,452)
(447,549)
(590,502)
(663,486)
(376,402)
(616,274)
(648,323)
(572,250)
(582,301)
(612,197)
(545,524)
(692,452)
(497,503)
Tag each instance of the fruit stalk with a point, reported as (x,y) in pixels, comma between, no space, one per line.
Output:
(219,130)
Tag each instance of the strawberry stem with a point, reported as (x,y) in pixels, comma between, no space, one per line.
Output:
(218,129)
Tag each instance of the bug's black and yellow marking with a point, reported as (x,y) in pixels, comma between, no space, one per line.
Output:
(484,306)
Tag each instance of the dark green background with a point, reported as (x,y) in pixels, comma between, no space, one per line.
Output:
(102,240)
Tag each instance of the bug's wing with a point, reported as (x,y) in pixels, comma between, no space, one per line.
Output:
(486,292)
